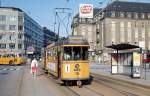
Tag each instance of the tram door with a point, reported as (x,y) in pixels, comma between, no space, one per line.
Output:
(59,64)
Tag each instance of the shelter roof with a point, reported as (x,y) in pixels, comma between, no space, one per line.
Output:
(122,46)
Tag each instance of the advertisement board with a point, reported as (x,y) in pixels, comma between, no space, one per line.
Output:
(86,11)
(30,50)
(136,64)
(52,66)
(114,69)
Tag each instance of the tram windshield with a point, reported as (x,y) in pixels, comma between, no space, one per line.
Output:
(75,53)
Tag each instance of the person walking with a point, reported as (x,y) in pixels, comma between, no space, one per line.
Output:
(34,67)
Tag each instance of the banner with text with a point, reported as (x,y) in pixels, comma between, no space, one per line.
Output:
(86,11)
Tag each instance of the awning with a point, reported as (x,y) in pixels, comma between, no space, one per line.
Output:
(122,46)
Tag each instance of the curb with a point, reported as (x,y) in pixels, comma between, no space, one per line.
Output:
(121,80)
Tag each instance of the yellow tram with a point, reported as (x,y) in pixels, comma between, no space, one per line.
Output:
(68,60)
(12,59)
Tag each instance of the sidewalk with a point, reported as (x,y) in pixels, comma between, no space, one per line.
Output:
(105,70)
(39,85)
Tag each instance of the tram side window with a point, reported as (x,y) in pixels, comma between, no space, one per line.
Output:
(77,53)
(84,53)
(67,53)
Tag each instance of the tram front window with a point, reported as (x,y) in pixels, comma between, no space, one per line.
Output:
(85,53)
(67,53)
(75,53)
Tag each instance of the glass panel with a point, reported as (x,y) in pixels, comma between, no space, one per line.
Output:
(2,27)
(85,53)
(76,53)
(12,45)
(12,27)
(2,46)
(2,17)
(67,53)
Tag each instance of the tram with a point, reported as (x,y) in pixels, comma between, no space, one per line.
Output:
(68,60)
(12,59)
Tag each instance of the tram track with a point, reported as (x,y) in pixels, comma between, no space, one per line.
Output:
(114,86)
(84,91)
(75,90)
(122,87)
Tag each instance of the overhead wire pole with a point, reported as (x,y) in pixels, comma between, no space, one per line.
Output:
(54,26)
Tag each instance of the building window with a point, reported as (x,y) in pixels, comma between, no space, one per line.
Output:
(113,31)
(19,46)
(20,28)
(122,33)
(12,27)
(2,27)
(143,24)
(136,34)
(148,16)
(2,46)
(20,18)
(19,36)
(129,15)
(2,17)
(136,15)
(143,33)
(122,14)
(129,31)
(12,18)
(142,15)
(12,45)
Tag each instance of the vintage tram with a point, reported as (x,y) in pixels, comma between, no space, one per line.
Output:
(67,59)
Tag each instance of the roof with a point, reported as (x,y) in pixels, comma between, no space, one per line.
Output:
(13,8)
(122,46)
(71,40)
(128,6)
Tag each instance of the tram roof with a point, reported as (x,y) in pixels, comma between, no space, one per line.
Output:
(71,40)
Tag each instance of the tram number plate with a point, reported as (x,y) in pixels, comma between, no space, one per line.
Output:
(67,68)
(77,67)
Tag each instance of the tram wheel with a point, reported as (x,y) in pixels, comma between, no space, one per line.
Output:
(11,62)
(79,83)
(67,83)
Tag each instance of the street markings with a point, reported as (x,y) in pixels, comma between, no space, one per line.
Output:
(10,69)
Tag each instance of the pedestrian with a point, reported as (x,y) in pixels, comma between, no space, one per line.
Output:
(34,67)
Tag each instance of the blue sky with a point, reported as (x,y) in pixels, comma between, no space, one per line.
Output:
(43,10)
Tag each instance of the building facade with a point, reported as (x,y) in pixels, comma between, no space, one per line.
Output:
(124,22)
(120,22)
(85,27)
(18,31)
(49,36)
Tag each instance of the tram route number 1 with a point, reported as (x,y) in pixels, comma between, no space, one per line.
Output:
(67,68)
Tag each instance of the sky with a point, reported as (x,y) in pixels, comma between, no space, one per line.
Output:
(43,11)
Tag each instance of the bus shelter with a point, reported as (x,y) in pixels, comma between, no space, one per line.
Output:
(126,60)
